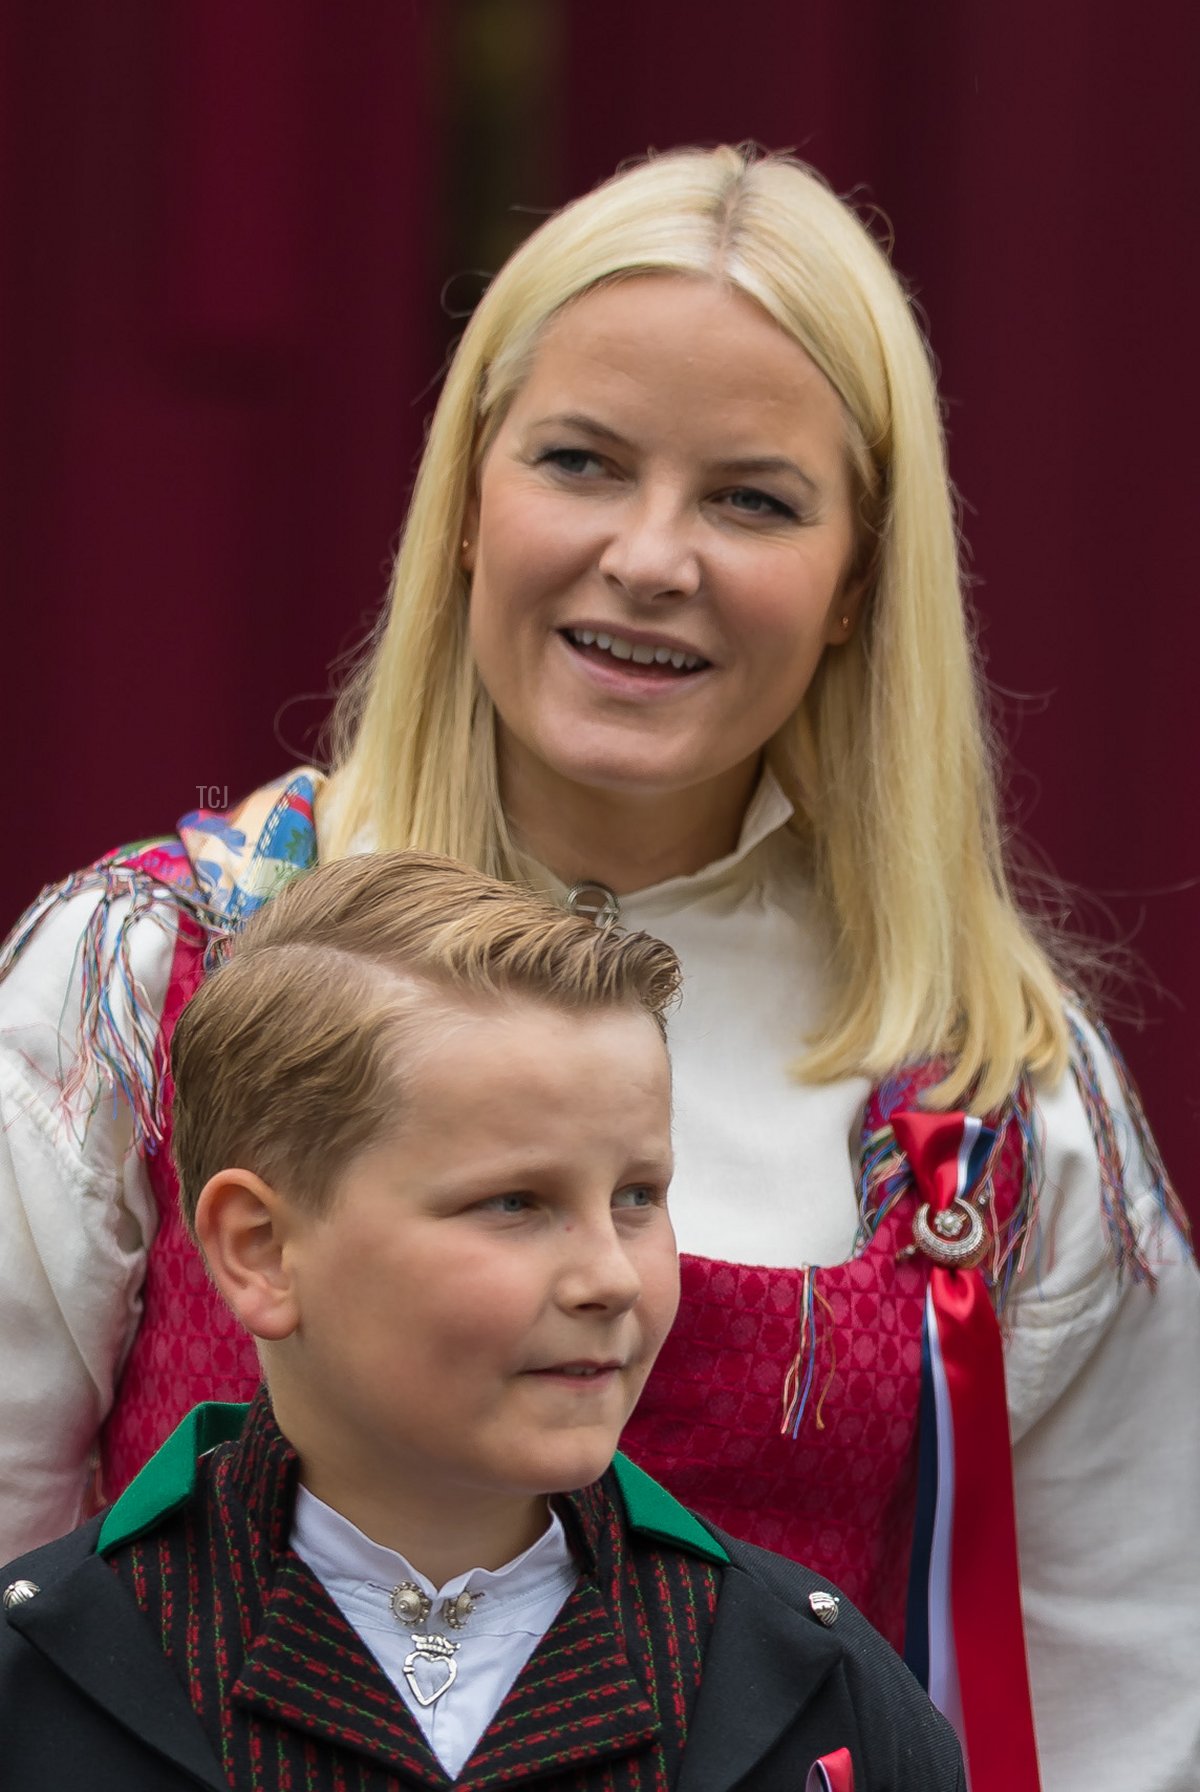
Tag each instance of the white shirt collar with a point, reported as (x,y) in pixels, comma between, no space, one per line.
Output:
(768,812)
(340,1554)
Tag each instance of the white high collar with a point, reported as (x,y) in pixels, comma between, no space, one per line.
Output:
(768,811)
(337,1551)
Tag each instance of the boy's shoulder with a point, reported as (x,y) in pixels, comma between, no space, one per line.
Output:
(47,1564)
(821,1673)
(86,1695)
(652,1513)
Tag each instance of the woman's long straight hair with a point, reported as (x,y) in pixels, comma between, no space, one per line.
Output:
(887,758)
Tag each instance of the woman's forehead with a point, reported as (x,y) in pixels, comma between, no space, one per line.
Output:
(662,347)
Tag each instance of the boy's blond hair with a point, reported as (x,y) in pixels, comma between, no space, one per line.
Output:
(288,1061)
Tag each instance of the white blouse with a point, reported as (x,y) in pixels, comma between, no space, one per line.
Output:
(1105,1422)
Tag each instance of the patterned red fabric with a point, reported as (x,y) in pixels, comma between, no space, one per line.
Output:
(188,1347)
(840,1497)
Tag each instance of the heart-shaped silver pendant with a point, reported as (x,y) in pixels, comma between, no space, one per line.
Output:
(436,1649)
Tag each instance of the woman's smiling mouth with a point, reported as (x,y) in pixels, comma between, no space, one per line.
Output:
(651,658)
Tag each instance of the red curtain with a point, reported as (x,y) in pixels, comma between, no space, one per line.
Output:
(219,229)
(1039,168)
(223,235)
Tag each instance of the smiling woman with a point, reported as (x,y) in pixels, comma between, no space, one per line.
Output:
(676,631)
(642,617)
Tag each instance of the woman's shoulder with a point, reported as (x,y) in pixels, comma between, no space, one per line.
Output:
(83,982)
(1105,1199)
(85,973)
(1105,1267)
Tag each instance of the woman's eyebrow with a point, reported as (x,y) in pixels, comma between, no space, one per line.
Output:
(579,420)
(744,466)
(748,465)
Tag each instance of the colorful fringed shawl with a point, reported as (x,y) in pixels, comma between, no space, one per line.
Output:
(203,884)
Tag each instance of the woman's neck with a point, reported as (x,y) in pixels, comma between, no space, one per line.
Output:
(628,840)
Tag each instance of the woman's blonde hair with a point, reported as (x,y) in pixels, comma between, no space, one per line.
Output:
(887,757)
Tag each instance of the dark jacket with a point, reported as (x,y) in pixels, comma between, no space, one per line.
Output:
(107,1687)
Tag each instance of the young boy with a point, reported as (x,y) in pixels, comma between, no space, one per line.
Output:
(422,1131)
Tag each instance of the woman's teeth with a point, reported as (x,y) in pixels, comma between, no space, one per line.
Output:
(640,654)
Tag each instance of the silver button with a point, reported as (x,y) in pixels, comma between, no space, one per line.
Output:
(825,1607)
(19,1592)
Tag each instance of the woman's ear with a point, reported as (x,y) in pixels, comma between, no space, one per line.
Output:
(470,530)
(844,612)
(243,1225)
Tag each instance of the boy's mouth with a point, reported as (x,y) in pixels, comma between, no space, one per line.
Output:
(579,1371)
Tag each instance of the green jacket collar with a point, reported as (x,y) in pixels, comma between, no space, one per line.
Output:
(168,1480)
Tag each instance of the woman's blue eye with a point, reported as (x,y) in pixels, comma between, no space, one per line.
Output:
(755,503)
(570,460)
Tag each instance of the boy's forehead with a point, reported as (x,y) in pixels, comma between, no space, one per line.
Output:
(439,1022)
(504,1073)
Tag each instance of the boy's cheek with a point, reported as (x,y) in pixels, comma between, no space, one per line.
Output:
(661,1297)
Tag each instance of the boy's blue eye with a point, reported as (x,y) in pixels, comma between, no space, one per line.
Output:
(637,1196)
(509,1203)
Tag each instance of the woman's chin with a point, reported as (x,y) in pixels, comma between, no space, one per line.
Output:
(626,762)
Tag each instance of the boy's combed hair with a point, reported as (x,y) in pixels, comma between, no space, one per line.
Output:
(288,1061)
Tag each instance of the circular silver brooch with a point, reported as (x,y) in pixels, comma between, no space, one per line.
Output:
(955,1238)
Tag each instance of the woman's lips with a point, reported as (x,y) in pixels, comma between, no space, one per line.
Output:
(628,675)
(634,647)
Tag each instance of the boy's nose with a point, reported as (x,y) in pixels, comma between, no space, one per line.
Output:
(599,1273)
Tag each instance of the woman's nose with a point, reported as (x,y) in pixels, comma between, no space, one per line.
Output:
(652,551)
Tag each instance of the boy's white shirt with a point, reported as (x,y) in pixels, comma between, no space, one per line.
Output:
(520,1602)
(1106,1429)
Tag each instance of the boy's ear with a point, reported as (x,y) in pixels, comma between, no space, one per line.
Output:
(243,1226)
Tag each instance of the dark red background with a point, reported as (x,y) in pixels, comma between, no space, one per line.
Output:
(224,229)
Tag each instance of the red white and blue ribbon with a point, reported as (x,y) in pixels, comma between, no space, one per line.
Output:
(964,1637)
(832,1773)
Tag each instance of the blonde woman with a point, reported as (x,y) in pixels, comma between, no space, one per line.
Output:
(676,629)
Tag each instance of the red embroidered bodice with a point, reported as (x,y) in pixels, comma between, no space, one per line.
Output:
(840,1495)
(188,1347)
